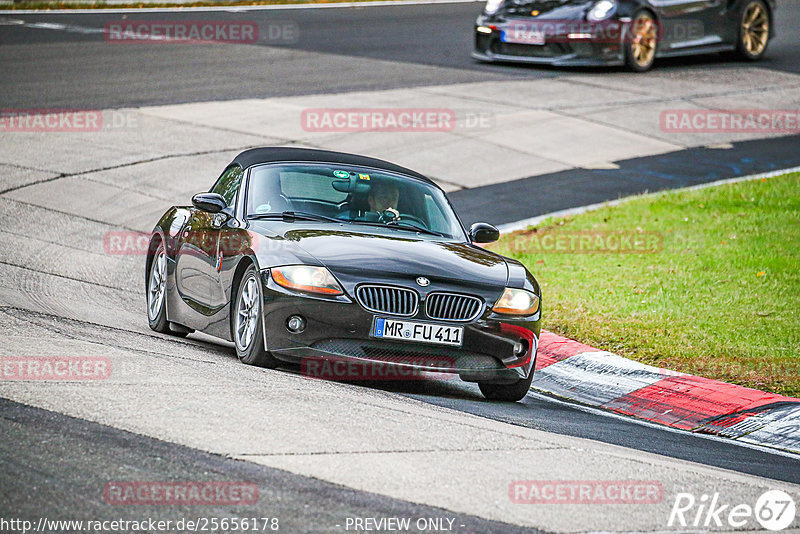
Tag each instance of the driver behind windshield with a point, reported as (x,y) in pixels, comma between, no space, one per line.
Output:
(383,197)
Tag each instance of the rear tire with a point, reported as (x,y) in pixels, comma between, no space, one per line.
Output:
(641,43)
(248,332)
(754,28)
(507,392)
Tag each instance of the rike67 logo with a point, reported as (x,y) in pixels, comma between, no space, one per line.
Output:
(774,510)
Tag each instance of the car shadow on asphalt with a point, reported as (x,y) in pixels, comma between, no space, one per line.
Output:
(450,386)
(705,61)
(437,388)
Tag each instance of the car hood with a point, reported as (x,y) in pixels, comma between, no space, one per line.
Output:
(547,9)
(400,257)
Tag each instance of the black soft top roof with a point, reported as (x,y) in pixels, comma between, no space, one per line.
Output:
(256,156)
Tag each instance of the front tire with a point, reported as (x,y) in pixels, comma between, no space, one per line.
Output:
(248,334)
(507,392)
(157,292)
(753,31)
(641,43)
(157,296)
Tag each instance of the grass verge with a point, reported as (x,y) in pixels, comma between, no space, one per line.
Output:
(705,282)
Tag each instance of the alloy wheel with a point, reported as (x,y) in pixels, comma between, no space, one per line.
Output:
(645,35)
(247,313)
(755,29)
(157,285)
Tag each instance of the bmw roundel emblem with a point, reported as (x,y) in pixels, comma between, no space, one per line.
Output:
(422,281)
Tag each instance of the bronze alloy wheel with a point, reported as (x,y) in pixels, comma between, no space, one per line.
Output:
(641,50)
(754,31)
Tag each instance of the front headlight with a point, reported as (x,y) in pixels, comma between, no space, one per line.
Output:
(517,302)
(307,278)
(601,10)
(492,6)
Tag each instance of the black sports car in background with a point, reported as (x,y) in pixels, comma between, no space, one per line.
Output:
(620,32)
(302,255)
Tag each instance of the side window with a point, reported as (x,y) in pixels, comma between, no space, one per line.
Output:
(228,184)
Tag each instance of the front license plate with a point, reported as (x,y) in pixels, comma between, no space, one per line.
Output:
(523,35)
(420,332)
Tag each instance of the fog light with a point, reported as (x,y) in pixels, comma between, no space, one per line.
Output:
(296,324)
(520,348)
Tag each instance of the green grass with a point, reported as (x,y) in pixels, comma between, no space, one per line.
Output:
(719,296)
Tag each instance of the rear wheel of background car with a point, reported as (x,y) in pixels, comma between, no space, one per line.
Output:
(507,392)
(753,30)
(248,334)
(641,42)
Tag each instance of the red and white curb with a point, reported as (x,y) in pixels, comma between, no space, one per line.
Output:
(604,380)
(578,372)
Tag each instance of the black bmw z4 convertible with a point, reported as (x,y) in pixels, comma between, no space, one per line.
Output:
(301,255)
(620,32)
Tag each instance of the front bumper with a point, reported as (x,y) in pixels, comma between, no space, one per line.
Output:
(341,329)
(557,50)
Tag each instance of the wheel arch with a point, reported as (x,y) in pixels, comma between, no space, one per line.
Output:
(156,240)
(238,274)
(649,9)
(770,13)
(628,9)
(735,7)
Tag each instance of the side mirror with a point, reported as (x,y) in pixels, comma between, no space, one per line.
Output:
(483,233)
(210,202)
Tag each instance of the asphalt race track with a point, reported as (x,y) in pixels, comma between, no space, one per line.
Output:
(62,454)
(427,44)
(320,452)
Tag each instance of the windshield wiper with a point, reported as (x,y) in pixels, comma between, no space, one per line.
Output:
(290,216)
(413,227)
(402,226)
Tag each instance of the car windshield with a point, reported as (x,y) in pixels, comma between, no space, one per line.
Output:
(350,194)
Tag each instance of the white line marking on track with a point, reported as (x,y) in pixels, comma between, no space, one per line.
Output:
(236,9)
(524,223)
(69,28)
